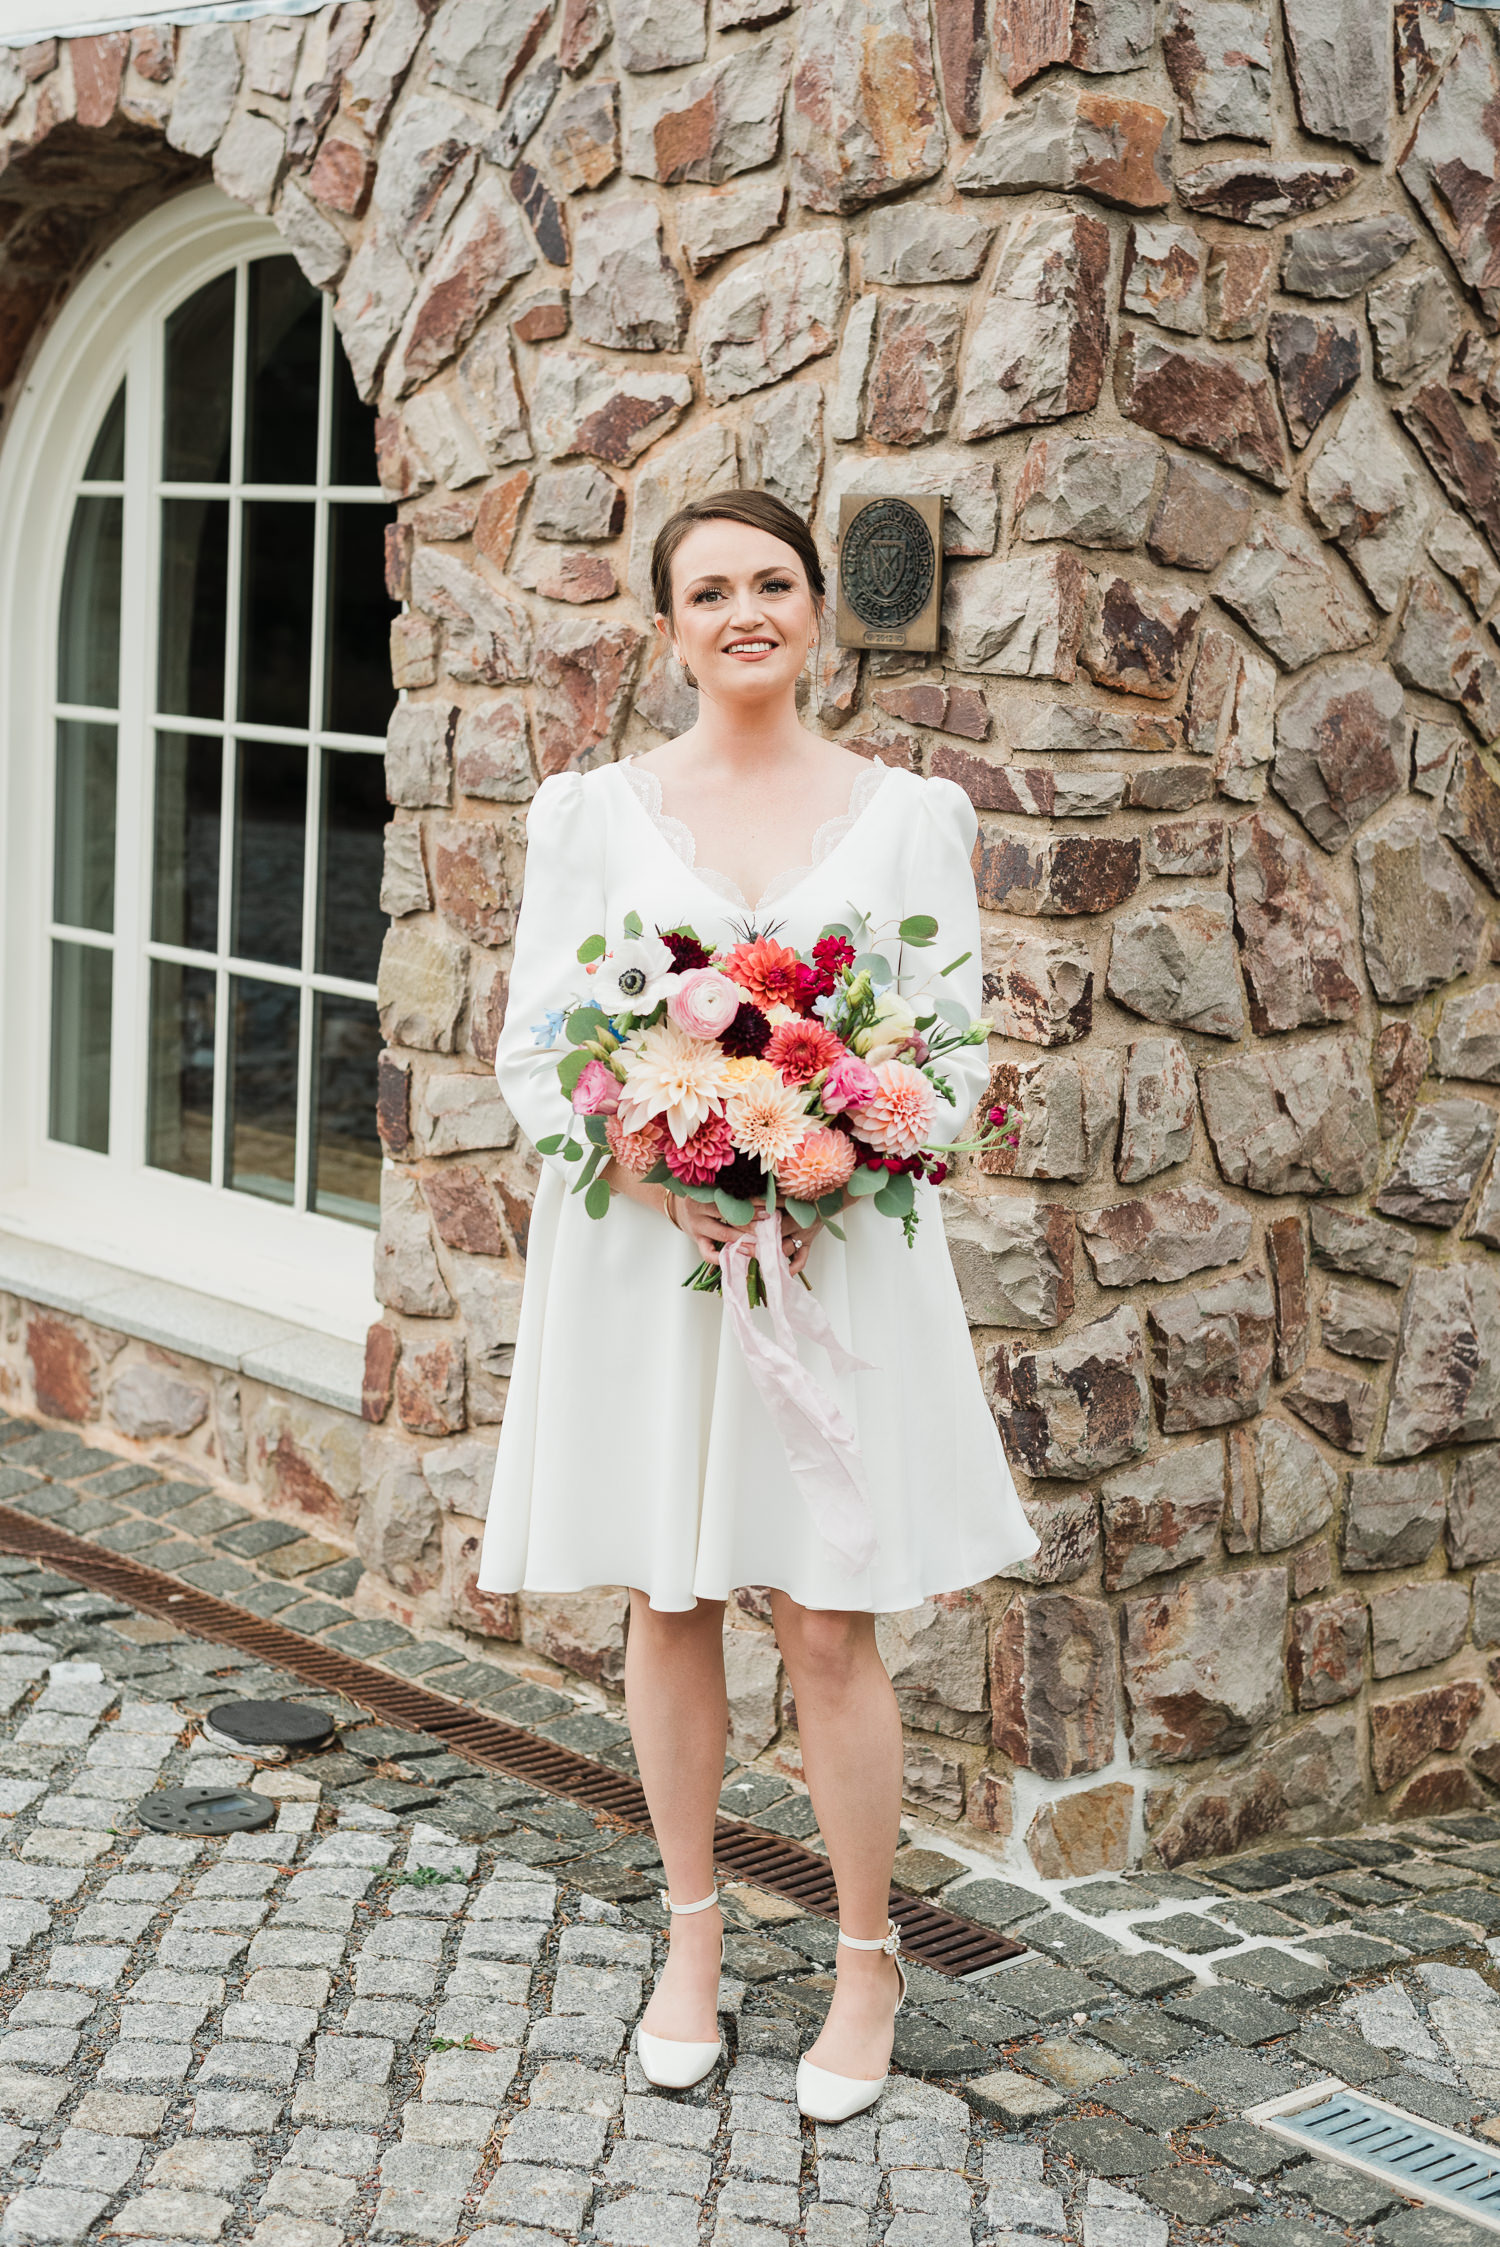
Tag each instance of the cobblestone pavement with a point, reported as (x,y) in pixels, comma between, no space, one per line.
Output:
(405,2011)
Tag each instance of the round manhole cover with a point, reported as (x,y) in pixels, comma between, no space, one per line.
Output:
(270,1724)
(207,1810)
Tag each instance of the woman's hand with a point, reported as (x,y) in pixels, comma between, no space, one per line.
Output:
(701,1223)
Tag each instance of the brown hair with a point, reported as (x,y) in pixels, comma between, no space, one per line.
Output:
(758,511)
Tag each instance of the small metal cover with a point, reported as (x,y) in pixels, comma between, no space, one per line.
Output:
(890,578)
(207,1810)
(272,1724)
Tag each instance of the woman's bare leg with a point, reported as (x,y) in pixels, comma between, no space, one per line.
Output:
(851,1750)
(679,1717)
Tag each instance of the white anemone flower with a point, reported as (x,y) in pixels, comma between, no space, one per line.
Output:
(671,1075)
(634,976)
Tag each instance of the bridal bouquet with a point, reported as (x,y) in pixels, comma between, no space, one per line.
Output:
(755,1074)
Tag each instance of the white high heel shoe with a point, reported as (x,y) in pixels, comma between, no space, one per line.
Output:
(826,2097)
(669,2061)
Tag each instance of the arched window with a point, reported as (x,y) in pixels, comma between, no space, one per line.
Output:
(213,714)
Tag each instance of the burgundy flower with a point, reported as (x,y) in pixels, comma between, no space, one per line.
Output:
(748,1033)
(686,951)
(833,953)
(812,984)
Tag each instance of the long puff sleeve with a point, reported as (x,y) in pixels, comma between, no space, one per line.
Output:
(562,902)
(940,881)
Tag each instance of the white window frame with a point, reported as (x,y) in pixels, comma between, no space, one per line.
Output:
(311,1269)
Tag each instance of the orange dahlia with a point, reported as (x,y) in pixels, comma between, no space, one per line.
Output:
(800,1049)
(637,1151)
(765,971)
(819,1165)
(900,1113)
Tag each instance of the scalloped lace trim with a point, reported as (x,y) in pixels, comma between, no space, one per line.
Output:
(647,790)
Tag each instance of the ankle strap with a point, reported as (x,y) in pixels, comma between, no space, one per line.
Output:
(889,1942)
(680,1911)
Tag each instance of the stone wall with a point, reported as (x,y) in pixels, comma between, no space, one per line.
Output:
(1187,312)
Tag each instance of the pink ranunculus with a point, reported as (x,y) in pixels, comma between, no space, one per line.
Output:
(847,1083)
(597,1092)
(705,1003)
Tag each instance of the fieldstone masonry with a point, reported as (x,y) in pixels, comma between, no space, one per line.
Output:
(1190,326)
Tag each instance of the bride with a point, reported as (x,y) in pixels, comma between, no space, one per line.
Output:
(634,1448)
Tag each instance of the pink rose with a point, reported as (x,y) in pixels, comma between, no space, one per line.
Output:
(597,1092)
(704,1003)
(848,1084)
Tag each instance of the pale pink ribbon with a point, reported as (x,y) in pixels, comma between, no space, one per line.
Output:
(821,1447)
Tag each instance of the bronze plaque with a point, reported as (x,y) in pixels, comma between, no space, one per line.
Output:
(890,572)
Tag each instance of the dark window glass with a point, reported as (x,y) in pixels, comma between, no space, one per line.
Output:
(88,632)
(107,460)
(276,634)
(262,1089)
(269,829)
(353,460)
(286,328)
(185,889)
(350,921)
(360,694)
(346,1149)
(180,1098)
(194,591)
(200,386)
(83,826)
(78,1110)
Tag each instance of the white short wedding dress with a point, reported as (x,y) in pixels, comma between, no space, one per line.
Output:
(634,1449)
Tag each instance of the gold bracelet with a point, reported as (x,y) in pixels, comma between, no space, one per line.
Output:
(669,1209)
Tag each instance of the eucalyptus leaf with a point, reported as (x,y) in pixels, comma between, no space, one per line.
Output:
(770,1191)
(895,1196)
(571,1068)
(875,965)
(572,1151)
(801,1213)
(596,1156)
(584,1023)
(731,1208)
(658,1174)
(595,1127)
(698,1193)
(830,1204)
(917,928)
(596,1201)
(952,964)
(837,1230)
(550,1144)
(954,1013)
(632,924)
(862,1182)
(590,949)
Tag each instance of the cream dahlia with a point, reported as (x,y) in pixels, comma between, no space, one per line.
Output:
(671,1075)
(818,1164)
(636,1151)
(799,1049)
(767,1119)
(900,1113)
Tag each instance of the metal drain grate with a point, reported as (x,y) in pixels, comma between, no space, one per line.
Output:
(1436,2166)
(930,1934)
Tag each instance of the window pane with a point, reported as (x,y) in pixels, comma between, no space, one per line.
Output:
(350,921)
(200,386)
(263,1089)
(353,459)
(88,630)
(269,829)
(107,460)
(82,977)
(180,1101)
(185,890)
(360,694)
(83,827)
(277,608)
(286,329)
(194,590)
(346,1149)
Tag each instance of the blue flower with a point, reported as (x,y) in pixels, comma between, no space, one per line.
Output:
(545,1033)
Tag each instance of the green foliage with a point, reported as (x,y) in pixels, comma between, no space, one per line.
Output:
(863,1182)
(875,965)
(550,1144)
(584,1023)
(802,1213)
(952,964)
(596,1201)
(425,1876)
(571,1068)
(590,949)
(896,1195)
(731,1208)
(632,924)
(917,928)
(595,1127)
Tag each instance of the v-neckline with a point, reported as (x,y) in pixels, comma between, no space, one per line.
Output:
(683,843)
